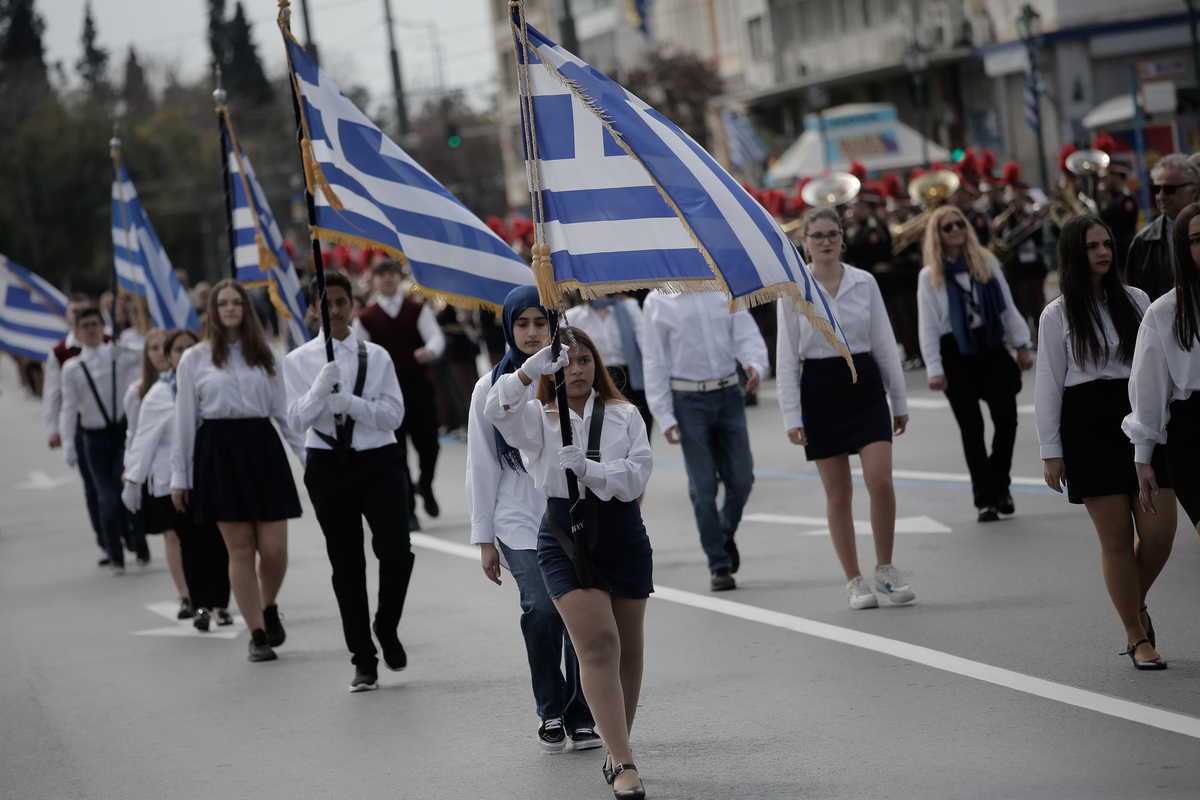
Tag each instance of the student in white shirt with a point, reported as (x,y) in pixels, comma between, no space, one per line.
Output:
(966,317)
(506,515)
(1164,386)
(93,384)
(1086,342)
(348,410)
(832,416)
(615,325)
(227,452)
(691,347)
(606,616)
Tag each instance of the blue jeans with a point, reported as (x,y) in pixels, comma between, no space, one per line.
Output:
(545,640)
(716,449)
(89,491)
(105,454)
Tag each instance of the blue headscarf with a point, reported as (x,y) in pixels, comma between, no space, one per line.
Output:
(518,300)
(990,308)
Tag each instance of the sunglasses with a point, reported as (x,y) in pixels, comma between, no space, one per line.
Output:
(1167,188)
(949,226)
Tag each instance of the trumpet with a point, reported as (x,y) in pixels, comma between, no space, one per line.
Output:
(933,189)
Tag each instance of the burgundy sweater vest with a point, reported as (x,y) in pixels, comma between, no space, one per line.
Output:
(398,336)
(62,352)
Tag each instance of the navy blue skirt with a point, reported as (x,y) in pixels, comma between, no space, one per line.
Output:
(840,415)
(622,562)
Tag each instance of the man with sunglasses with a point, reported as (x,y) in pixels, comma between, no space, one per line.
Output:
(1150,265)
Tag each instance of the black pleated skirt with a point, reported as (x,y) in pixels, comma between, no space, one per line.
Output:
(1097,453)
(1183,454)
(158,512)
(241,474)
(622,563)
(839,415)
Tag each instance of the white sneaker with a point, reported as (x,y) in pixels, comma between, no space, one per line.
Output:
(859,593)
(890,584)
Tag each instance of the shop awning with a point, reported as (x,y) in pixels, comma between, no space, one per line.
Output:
(1112,112)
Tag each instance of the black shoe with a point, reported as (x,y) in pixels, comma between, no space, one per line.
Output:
(1006,505)
(1149,627)
(585,739)
(1154,663)
(128,540)
(224,618)
(365,680)
(273,622)
(394,656)
(185,609)
(143,554)
(202,621)
(260,648)
(413,523)
(431,504)
(551,735)
(988,514)
(104,562)
(636,793)
(722,580)
(731,548)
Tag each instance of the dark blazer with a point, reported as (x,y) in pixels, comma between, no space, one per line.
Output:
(1149,266)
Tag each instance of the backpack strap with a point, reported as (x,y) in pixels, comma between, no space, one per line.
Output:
(108,421)
(345,431)
(581,558)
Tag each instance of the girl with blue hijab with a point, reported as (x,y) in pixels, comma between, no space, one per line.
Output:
(506,515)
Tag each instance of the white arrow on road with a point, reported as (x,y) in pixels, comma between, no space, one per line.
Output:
(184,627)
(920,524)
(42,480)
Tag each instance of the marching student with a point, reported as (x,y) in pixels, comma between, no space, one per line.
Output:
(1085,345)
(348,410)
(203,560)
(92,384)
(966,316)
(225,449)
(833,416)
(604,608)
(506,514)
(615,325)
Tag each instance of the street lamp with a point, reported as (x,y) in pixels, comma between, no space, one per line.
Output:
(1029,25)
(916,61)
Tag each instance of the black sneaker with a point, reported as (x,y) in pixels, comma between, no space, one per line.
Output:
(731,548)
(722,580)
(414,524)
(394,656)
(260,648)
(143,554)
(224,618)
(1006,505)
(364,680)
(185,609)
(585,739)
(431,504)
(202,621)
(104,562)
(552,737)
(988,514)
(273,622)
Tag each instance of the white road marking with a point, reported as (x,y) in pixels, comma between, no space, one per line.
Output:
(928,403)
(1069,695)
(949,477)
(921,524)
(184,627)
(42,480)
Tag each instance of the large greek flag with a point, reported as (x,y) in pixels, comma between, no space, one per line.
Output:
(143,268)
(258,254)
(32,312)
(369,192)
(631,201)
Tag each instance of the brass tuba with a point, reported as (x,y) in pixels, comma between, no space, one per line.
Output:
(837,189)
(933,189)
(1065,201)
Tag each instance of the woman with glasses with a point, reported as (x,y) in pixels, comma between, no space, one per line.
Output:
(1085,345)
(966,317)
(833,417)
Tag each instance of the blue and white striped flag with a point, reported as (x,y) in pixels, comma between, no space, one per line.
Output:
(1035,87)
(744,145)
(33,314)
(371,193)
(143,268)
(259,254)
(630,201)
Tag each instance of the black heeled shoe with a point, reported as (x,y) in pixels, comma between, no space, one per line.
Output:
(1149,627)
(609,775)
(636,793)
(1154,663)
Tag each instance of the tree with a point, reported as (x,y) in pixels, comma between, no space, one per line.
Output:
(23,80)
(139,106)
(233,50)
(473,172)
(678,87)
(93,64)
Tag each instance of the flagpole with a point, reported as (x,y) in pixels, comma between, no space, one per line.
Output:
(219,96)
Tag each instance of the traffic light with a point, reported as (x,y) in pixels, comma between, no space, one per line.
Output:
(957,154)
(452,138)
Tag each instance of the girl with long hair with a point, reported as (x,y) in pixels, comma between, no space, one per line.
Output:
(227,465)
(1085,345)
(966,318)
(604,615)
(833,416)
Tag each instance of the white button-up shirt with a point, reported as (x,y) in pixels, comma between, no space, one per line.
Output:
(933,315)
(858,308)
(427,324)
(1162,373)
(52,386)
(625,457)
(79,405)
(234,391)
(604,330)
(1057,368)
(693,337)
(376,414)
(148,456)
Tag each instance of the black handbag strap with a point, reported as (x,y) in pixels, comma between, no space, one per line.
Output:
(345,431)
(590,529)
(108,421)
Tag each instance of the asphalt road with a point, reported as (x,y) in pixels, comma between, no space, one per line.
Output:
(1001,680)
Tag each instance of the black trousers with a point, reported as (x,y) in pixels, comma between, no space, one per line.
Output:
(993,377)
(205,562)
(421,425)
(371,485)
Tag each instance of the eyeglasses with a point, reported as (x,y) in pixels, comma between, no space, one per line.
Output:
(1168,188)
(949,226)
(820,238)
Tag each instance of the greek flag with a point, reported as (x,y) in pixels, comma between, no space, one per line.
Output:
(744,145)
(370,193)
(33,314)
(258,254)
(143,268)
(1034,88)
(631,201)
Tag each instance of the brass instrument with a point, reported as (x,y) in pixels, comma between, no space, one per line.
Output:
(1065,201)
(933,189)
(837,189)
(1005,243)
(1087,164)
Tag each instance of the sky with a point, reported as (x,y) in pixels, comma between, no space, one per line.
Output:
(350,35)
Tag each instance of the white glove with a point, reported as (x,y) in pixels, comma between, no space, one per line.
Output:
(131,496)
(329,376)
(542,363)
(573,457)
(338,403)
(70,456)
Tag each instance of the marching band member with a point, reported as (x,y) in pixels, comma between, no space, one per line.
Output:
(227,465)
(349,409)
(868,241)
(1026,270)
(1118,209)
(1085,345)
(833,416)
